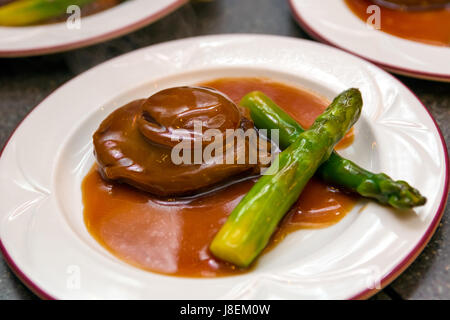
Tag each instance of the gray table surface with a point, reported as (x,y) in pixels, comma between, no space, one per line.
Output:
(24,82)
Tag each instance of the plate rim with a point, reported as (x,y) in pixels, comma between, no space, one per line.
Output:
(398,70)
(367,293)
(420,246)
(153,17)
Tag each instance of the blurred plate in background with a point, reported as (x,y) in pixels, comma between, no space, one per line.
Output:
(333,22)
(114,22)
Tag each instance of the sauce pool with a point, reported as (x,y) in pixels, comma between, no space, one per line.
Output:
(172,237)
(430,26)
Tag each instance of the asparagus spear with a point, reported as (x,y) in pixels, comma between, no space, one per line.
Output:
(336,170)
(252,223)
(26,12)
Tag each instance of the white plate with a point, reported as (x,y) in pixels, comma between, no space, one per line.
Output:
(102,26)
(41,215)
(332,22)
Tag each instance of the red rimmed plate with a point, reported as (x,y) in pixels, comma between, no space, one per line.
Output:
(111,23)
(42,230)
(333,22)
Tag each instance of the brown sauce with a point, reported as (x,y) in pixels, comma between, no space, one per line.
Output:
(302,105)
(430,26)
(172,237)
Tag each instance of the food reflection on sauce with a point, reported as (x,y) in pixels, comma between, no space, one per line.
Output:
(172,237)
(428,26)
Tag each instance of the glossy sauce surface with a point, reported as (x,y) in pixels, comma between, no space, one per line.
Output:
(430,26)
(172,237)
(134,143)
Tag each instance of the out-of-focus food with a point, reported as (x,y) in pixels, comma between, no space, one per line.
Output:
(413,4)
(428,23)
(17,13)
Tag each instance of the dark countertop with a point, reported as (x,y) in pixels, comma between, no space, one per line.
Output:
(25,82)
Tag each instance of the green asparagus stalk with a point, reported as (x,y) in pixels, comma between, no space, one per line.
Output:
(251,224)
(26,12)
(336,170)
